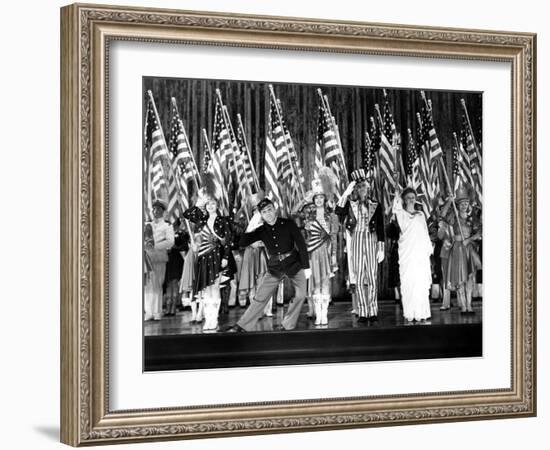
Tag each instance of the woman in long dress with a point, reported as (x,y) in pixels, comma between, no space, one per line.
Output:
(321,225)
(464,260)
(415,248)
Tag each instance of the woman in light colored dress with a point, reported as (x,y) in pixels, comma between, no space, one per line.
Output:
(321,227)
(415,248)
(464,260)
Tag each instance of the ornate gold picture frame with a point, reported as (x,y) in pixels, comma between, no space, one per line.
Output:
(86,33)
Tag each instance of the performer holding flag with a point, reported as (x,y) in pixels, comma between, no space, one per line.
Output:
(214,249)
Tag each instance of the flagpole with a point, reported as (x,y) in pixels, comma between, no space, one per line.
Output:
(379,115)
(151,99)
(272,93)
(429,107)
(188,146)
(378,181)
(205,136)
(394,149)
(457,146)
(254,174)
(410,136)
(325,98)
(228,124)
(452,200)
(444,172)
(293,149)
(191,237)
(463,103)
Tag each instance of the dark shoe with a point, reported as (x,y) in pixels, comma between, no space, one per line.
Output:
(235,329)
(373,319)
(363,319)
(279,328)
(471,313)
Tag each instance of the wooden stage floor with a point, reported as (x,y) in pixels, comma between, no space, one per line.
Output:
(339,317)
(174,343)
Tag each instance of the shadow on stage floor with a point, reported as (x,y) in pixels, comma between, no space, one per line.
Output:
(175,343)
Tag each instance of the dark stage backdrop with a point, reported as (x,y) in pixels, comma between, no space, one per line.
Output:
(351,106)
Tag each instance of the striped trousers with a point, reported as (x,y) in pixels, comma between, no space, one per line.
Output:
(365,268)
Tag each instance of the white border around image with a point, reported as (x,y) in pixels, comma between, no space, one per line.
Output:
(130,388)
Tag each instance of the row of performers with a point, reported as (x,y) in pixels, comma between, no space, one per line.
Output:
(275,247)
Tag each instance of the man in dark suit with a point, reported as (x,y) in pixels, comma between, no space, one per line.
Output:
(287,257)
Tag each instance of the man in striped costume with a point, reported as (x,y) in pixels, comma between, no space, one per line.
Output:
(365,222)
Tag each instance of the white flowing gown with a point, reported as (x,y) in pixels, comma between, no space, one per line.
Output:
(415,249)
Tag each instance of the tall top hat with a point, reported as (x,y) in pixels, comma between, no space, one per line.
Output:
(359,175)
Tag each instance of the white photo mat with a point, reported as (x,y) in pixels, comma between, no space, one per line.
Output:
(130,388)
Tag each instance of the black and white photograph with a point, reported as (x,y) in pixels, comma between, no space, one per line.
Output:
(298,223)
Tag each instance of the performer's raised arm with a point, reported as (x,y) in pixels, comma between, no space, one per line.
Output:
(342,205)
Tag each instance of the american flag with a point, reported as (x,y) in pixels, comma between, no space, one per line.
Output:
(458,180)
(432,150)
(275,141)
(164,183)
(369,163)
(426,195)
(296,181)
(332,150)
(412,163)
(206,160)
(295,161)
(222,146)
(470,149)
(368,157)
(374,136)
(391,130)
(158,183)
(436,153)
(387,157)
(214,166)
(318,162)
(247,164)
(461,162)
(182,161)
(243,189)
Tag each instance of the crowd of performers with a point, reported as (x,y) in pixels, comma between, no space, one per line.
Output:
(209,262)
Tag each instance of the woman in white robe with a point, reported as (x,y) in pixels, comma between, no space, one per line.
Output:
(415,249)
